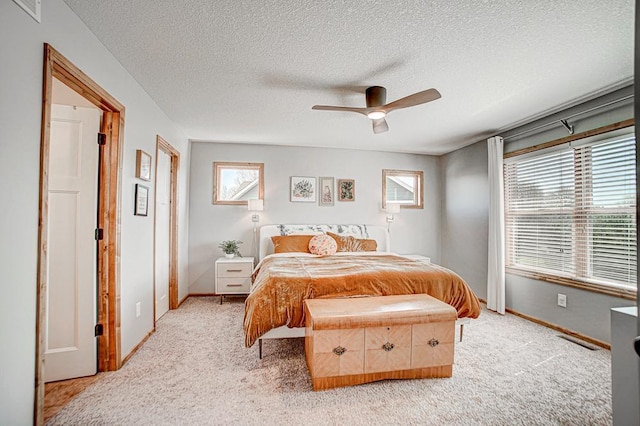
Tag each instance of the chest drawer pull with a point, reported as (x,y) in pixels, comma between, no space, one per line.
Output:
(339,350)
(388,346)
(234,285)
(234,270)
(434,342)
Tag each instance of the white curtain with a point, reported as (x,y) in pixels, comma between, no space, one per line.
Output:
(495,272)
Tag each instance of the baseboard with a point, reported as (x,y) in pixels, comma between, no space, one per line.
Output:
(184,299)
(138,346)
(563,330)
(556,327)
(142,342)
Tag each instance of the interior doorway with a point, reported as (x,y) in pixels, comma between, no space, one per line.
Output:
(106,221)
(70,343)
(166,228)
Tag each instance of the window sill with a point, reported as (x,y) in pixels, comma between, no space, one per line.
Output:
(569,282)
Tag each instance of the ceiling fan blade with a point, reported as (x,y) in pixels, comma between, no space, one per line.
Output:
(380,125)
(339,108)
(412,100)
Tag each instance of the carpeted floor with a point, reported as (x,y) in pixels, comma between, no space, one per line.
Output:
(195,370)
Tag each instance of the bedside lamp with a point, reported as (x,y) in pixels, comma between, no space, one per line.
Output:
(255,205)
(391,209)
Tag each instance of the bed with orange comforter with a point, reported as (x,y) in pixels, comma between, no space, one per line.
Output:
(282,281)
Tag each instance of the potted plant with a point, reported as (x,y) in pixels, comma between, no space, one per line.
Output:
(230,248)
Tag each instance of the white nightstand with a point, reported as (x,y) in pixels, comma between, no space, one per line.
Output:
(233,276)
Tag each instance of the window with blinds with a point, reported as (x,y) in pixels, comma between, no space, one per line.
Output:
(571,212)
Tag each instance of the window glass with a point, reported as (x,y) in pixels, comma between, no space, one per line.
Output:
(404,187)
(235,183)
(571,213)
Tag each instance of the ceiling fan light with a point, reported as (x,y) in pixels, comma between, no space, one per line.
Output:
(376,115)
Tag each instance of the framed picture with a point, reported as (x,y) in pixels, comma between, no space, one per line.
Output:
(141,206)
(143,165)
(327,191)
(303,189)
(346,190)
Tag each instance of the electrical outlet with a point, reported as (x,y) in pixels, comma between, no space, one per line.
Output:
(137,309)
(562,300)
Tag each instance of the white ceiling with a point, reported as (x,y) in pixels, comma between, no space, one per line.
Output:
(249,71)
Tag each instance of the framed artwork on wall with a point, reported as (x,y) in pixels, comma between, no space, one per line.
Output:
(346,190)
(141,206)
(303,189)
(327,191)
(143,165)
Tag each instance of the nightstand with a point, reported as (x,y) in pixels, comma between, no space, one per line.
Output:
(233,276)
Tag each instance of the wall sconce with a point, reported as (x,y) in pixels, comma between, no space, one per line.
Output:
(391,209)
(255,205)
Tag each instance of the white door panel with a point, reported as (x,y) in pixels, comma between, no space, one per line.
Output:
(162,218)
(70,346)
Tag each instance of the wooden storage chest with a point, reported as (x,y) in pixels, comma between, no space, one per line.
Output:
(357,340)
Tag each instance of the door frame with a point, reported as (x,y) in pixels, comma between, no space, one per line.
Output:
(108,217)
(174,155)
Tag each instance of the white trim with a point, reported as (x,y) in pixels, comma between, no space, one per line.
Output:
(35,13)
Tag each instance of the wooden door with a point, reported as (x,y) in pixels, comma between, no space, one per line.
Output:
(70,344)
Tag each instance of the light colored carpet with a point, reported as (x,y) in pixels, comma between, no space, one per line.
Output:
(195,370)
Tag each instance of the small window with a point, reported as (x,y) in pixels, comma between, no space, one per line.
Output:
(403,187)
(236,183)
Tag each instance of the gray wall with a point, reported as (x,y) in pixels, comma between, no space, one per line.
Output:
(465,224)
(413,231)
(465,214)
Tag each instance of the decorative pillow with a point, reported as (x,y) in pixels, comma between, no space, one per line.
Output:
(353,244)
(291,243)
(323,245)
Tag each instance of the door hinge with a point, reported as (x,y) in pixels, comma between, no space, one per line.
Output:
(99,330)
(99,234)
(102,138)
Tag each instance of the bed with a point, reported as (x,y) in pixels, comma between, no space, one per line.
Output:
(281,281)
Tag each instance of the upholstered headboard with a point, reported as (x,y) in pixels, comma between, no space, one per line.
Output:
(378,233)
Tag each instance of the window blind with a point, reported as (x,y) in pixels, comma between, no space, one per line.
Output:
(571,212)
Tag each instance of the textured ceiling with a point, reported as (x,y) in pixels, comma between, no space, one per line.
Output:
(250,71)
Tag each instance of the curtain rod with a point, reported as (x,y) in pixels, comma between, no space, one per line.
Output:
(564,120)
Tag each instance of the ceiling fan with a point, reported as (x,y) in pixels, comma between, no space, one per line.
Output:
(376,109)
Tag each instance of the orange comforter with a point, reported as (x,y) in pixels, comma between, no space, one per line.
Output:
(281,283)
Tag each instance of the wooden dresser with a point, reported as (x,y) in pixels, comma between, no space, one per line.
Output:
(357,340)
